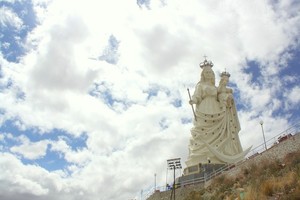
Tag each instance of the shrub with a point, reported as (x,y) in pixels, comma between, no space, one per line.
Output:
(268,187)
(292,158)
(252,193)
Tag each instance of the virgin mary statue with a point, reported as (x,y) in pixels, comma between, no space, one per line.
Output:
(214,135)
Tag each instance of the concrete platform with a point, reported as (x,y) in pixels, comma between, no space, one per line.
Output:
(197,173)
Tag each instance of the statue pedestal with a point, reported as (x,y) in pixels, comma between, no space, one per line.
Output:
(198,173)
(196,169)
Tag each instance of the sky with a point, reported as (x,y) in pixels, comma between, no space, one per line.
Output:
(94,93)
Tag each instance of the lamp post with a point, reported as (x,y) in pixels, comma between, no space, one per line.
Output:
(262,129)
(155,182)
(174,164)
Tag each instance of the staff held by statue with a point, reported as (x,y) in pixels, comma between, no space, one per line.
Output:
(192,104)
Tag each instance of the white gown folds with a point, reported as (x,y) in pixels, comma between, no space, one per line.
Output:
(215,132)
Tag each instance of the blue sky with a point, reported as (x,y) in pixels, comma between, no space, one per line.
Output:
(93,94)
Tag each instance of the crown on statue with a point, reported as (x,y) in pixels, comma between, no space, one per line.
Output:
(206,63)
(225,74)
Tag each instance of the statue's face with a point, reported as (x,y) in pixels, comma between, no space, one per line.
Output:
(225,79)
(208,73)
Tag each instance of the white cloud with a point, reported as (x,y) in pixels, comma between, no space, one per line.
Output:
(293,96)
(140,129)
(79,156)
(24,182)
(8,18)
(19,181)
(31,150)
(1,137)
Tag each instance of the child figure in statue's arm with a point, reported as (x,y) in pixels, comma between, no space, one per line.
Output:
(225,96)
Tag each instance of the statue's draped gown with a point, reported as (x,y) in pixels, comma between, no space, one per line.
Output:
(215,131)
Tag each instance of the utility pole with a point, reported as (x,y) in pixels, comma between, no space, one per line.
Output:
(174,164)
(154,182)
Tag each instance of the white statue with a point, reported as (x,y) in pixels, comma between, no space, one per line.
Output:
(216,126)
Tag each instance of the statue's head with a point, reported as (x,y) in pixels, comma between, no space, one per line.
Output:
(207,74)
(225,75)
(224,78)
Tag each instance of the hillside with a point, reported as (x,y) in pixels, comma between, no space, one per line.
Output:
(271,179)
(274,174)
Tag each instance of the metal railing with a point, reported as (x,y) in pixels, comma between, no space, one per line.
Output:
(294,129)
(291,131)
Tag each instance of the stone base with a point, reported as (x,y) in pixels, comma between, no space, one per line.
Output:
(198,172)
(196,169)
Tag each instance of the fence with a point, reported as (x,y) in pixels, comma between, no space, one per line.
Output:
(293,130)
(275,140)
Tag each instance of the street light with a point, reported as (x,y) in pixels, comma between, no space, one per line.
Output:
(262,128)
(155,182)
(174,164)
